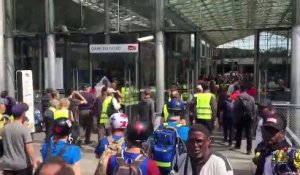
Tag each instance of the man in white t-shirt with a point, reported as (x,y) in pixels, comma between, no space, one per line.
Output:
(199,159)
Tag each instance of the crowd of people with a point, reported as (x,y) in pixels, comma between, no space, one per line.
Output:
(179,144)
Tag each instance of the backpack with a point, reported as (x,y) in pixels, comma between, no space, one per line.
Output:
(242,105)
(113,148)
(128,168)
(165,148)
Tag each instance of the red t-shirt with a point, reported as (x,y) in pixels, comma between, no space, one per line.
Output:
(252,92)
(235,95)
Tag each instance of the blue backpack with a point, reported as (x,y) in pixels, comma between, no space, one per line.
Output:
(165,147)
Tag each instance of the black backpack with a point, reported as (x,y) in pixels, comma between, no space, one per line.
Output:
(242,108)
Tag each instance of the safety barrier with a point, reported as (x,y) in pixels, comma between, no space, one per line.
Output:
(292,114)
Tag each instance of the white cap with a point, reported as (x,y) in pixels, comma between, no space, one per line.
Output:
(199,87)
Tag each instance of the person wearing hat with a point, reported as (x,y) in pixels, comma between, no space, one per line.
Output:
(18,157)
(58,146)
(86,114)
(199,158)
(273,134)
(198,91)
(265,109)
(109,106)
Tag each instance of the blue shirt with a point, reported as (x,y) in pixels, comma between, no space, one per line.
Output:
(71,154)
(183,131)
(127,156)
(102,145)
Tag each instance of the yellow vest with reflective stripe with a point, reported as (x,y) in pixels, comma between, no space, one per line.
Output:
(166,112)
(104,118)
(61,113)
(203,106)
(178,125)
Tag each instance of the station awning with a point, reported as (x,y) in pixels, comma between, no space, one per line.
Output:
(226,20)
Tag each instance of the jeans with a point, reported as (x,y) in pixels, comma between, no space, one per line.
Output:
(244,124)
(206,122)
(228,129)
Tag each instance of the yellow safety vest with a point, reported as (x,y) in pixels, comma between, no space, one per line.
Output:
(104,118)
(203,106)
(125,95)
(166,112)
(2,121)
(11,118)
(61,113)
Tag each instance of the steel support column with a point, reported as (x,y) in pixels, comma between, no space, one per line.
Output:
(107,21)
(2,60)
(9,48)
(256,62)
(295,61)
(160,55)
(50,69)
(198,56)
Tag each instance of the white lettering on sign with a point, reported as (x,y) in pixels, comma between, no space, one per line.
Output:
(114,48)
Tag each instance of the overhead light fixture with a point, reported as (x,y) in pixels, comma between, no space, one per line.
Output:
(146,38)
(226,27)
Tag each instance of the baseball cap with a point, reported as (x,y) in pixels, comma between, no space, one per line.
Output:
(86,85)
(275,122)
(199,87)
(264,103)
(19,109)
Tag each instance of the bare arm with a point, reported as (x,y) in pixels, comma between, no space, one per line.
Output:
(30,152)
(76,168)
(81,98)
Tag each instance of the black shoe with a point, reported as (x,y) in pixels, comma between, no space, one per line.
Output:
(237,147)
(87,142)
(225,140)
(249,152)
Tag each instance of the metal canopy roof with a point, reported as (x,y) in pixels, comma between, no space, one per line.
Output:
(226,20)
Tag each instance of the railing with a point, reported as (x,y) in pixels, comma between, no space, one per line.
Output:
(292,115)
